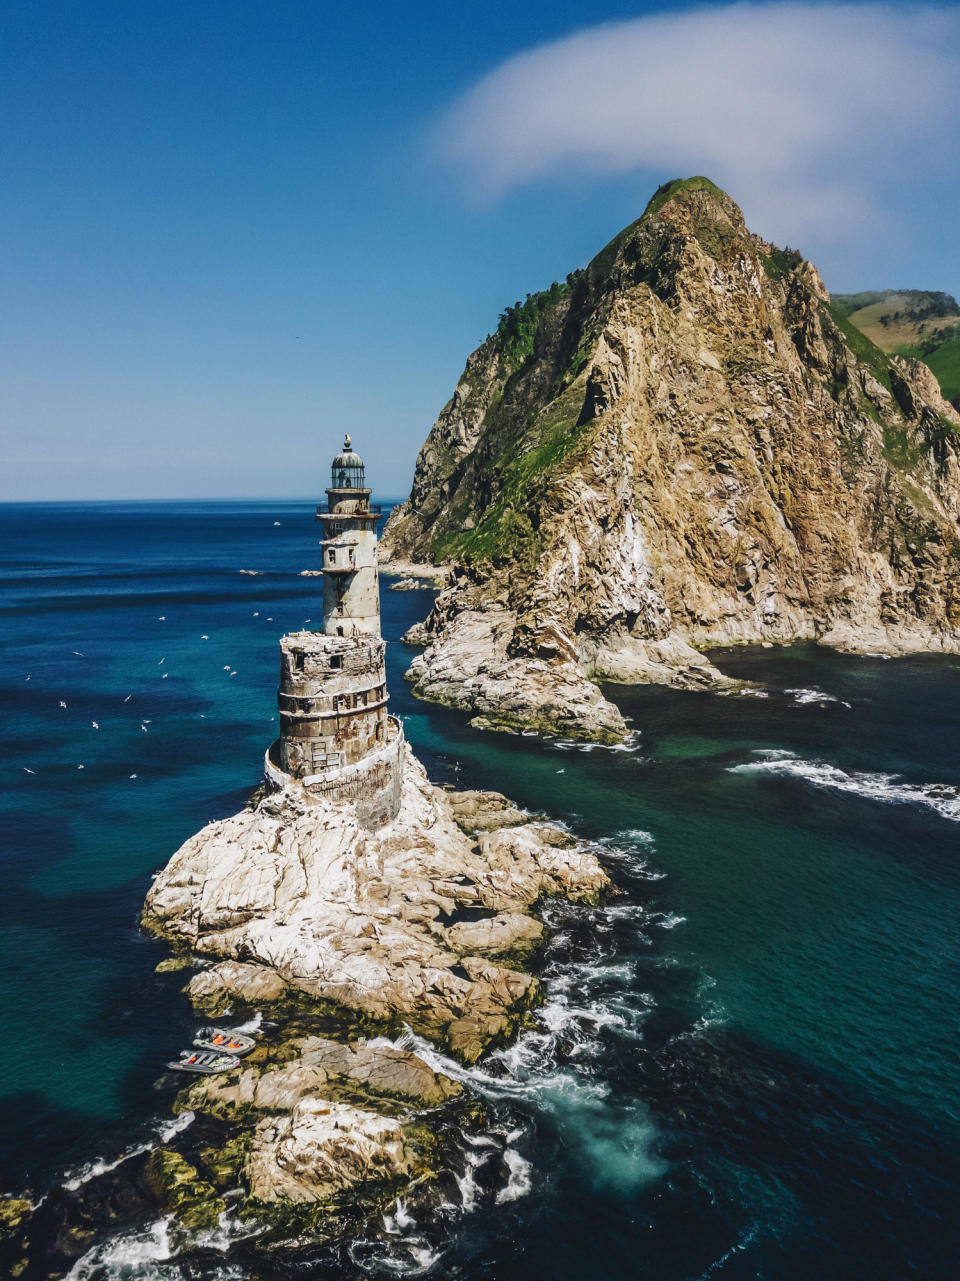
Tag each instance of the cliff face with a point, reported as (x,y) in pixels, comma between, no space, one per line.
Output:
(685,445)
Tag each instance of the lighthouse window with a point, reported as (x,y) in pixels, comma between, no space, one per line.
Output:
(333,556)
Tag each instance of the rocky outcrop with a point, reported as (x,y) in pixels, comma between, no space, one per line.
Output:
(320,1149)
(306,911)
(295,910)
(684,446)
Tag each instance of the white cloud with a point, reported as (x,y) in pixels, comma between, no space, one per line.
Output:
(806,113)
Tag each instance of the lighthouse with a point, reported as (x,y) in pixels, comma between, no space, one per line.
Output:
(351,591)
(337,741)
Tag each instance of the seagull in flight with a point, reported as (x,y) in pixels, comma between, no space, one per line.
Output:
(28,771)
(161,619)
(164,676)
(78,654)
(28,678)
(79,767)
(204,637)
(256,613)
(94,724)
(162,661)
(62,703)
(144,728)
(133,776)
(128,698)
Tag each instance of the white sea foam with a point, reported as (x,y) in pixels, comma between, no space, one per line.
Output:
(92,1169)
(552,1068)
(631,743)
(251,1026)
(819,697)
(128,1255)
(520,1181)
(944,799)
(743,1242)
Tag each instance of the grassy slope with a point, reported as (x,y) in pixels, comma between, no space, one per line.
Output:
(945,363)
(910,322)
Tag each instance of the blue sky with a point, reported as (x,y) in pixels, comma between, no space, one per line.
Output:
(231,231)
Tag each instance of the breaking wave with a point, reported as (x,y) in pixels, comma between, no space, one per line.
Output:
(942,798)
(93,1169)
(816,697)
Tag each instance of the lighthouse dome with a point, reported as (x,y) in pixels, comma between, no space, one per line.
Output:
(347,470)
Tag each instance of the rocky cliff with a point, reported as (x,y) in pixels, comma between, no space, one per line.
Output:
(683,445)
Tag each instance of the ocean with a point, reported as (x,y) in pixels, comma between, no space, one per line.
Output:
(746,1062)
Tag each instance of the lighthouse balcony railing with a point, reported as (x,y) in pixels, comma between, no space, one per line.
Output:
(372,509)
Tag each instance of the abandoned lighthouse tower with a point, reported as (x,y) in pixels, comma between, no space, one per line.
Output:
(336,740)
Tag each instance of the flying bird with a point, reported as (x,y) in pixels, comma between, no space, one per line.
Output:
(94,724)
(79,767)
(162,618)
(128,698)
(133,776)
(204,637)
(144,728)
(78,654)
(28,771)
(28,678)
(62,703)
(164,676)
(256,613)
(162,661)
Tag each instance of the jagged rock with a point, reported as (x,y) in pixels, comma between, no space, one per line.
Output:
(363,1073)
(180,1188)
(304,909)
(506,934)
(485,811)
(695,449)
(321,1149)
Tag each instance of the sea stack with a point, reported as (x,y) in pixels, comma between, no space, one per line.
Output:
(336,739)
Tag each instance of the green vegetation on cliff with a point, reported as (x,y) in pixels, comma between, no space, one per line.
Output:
(518,324)
(922,324)
(673,188)
(942,353)
(498,467)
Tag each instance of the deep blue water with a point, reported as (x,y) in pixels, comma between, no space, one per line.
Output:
(747,1061)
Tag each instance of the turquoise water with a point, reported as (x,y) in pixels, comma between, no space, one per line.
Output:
(746,1064)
